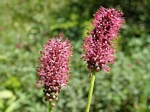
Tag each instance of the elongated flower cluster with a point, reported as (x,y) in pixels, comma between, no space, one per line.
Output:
(53,69)
(98,45)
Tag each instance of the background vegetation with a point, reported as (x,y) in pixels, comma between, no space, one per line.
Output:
(25,26)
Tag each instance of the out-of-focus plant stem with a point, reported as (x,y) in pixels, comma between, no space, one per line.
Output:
(50,107)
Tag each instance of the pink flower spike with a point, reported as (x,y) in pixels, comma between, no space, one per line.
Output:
(53,68)
(98,46)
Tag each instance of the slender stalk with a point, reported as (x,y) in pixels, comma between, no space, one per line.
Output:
(50,107)
(90,93)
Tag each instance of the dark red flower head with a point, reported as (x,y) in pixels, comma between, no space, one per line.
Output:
(53,69)
(98,46)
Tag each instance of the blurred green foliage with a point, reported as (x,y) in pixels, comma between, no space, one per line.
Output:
(25,26)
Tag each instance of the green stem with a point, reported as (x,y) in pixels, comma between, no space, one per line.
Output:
(50,107)
(90,92)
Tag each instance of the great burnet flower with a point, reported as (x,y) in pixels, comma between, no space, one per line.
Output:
(98,45)
(53,68)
